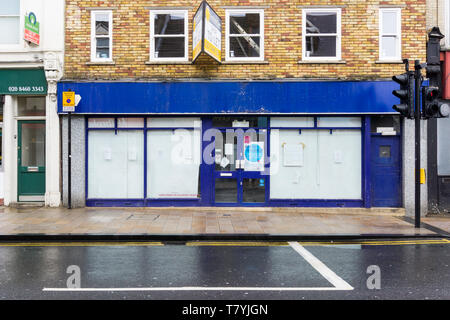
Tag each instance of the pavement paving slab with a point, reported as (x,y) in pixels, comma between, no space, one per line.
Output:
(223,221)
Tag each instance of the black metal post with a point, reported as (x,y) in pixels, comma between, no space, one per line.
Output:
(418,78)
(69,171)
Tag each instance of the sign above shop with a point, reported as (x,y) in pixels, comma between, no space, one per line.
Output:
(207,33)
(31,32)
(23,82)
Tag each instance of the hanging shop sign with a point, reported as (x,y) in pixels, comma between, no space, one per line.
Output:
(31,33)
(23,82)
(207,33)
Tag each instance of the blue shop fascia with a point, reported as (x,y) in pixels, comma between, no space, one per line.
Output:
(236,143)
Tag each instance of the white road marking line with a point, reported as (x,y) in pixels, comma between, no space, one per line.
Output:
(195,289)
(338,283)
(327,273)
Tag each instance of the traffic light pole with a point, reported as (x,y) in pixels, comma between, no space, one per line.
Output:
(69,153)
(418,83)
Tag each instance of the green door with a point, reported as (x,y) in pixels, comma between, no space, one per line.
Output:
(31,161)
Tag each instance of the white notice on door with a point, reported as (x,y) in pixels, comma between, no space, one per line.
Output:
(224,162)
(229,149)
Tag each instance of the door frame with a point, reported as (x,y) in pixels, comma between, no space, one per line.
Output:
(240,174)
(19,161)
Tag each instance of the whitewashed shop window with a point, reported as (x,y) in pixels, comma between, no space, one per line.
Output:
(339,122)
(101,36)
(244,34)
(168,35)
(390,33)
(9,22)
(173,163)
(315,164)
(120,153)
(321,34)
(292,122)
(101,123)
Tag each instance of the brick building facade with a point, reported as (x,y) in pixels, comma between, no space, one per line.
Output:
(311,79)
(282,41)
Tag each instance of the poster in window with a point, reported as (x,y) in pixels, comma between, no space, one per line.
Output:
(253,156)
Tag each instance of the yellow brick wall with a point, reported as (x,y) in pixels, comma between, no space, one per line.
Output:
(282,44)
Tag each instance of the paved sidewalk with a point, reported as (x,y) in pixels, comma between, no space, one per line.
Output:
(214,221)
(441,221)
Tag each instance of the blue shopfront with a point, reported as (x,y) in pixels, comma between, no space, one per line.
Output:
(261,143)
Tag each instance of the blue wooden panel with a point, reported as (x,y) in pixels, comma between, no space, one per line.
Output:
(212,97)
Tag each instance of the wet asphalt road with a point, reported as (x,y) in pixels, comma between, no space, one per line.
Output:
(408,270)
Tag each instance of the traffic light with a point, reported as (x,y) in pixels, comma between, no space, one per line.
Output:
(432,106)
(406,94)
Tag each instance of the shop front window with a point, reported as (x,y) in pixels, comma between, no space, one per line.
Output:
(387,123)
(118,167)
(316,161)
(1,145)
(173,158)
(1,130)
(115,164)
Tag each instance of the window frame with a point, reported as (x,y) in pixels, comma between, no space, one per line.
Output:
(338,34)
(227,34)
(15,46)
(186,36)
(94,58)
(398,34)
(446,22)
(1,146)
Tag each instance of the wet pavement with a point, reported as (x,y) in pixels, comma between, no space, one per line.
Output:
(407,269)
(215,221)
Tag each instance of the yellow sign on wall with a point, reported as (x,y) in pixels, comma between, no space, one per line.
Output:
(68,101)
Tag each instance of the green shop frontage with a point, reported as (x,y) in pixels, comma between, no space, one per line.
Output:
(23,132)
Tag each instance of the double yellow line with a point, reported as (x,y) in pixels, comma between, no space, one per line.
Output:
(80,244)
(318,243)
(228,243)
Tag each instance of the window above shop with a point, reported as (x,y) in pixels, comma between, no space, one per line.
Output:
(244,35)
(321,34)
(447,22)
(101,36)
(31,107)
(10,21)
(390,34)
(168,35)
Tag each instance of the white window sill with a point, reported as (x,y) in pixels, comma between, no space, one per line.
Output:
(389,62)
(246,62)
(322,62)
(168,62)
(94,63)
